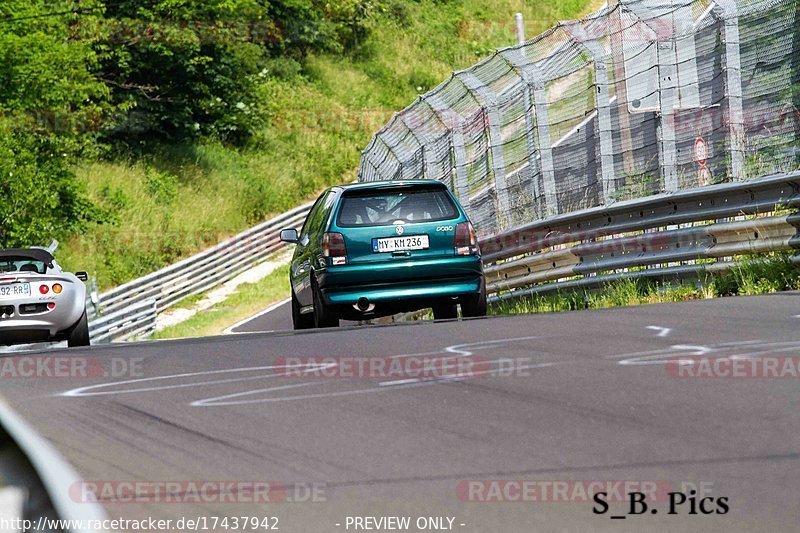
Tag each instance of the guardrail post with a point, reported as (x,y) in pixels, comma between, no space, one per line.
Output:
(727,12)
(606,137)
(454,122)
(495,141)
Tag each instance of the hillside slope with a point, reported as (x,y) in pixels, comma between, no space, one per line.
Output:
(322,111)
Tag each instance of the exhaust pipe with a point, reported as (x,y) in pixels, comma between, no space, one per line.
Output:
(363,305)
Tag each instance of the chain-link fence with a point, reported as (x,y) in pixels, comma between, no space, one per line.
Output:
(639,98)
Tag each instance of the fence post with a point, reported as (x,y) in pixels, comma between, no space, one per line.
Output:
(457,144)
(667,76)
(667,90)
(545,149)
(516,59)
(419,131)
(606,137)
(472,83)
(727,12)
(535,82)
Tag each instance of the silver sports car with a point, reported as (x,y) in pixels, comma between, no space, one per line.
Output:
(39,302)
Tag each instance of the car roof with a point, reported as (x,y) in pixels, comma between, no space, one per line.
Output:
(364,185)
(36,254)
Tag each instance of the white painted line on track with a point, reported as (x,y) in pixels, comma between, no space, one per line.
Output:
(186,380)
(662,332)
(84,391)
(398,382)
(271,308)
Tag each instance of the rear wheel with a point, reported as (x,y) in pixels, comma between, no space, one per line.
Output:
(475,305)
(445,311)
(79,334)
(300,321)
(323,317)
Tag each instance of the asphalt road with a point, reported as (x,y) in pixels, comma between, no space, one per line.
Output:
(278,318)
(590,396)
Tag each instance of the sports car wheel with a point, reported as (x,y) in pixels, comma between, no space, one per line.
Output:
(79,334)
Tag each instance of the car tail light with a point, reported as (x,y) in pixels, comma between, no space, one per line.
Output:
(57,288)
(333,246)
(44,289)
(51,306)
(465,242)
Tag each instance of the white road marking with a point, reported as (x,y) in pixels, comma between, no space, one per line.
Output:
(83,391)
(271,308)
(398,382)
(674,353)
(449,352)
(662,332)
(216,402)
(673,358)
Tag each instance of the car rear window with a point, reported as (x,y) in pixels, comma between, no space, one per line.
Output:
(382,208)
(21,264)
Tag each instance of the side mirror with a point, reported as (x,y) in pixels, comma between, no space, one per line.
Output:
(289,235)
(83,276)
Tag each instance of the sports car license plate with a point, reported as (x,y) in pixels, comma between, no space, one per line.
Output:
(14,290)
(398,244)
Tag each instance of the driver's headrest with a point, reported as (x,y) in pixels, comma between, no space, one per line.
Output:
(29,267)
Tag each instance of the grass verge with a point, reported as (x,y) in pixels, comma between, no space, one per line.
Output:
(321,113)
(249,299)
(753,275)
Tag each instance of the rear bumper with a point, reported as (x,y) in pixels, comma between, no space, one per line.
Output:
(400,271)
(421,290)
(38,328)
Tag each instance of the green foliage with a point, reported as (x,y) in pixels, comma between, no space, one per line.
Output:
(759,275)
(753,275)
(40,198)
(186,122)
(162,187)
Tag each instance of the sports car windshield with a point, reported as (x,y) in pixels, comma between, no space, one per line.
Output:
(384,207)
(21,264)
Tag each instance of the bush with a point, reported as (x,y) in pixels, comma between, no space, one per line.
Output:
(40,197)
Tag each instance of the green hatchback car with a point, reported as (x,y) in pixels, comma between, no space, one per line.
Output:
(374,249)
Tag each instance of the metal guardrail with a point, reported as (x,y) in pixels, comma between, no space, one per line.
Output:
(650,237)
(130,311)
